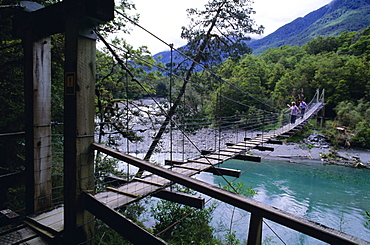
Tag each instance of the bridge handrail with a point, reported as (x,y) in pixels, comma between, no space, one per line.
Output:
(257,209)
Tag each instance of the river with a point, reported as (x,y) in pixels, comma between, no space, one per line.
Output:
(334,196)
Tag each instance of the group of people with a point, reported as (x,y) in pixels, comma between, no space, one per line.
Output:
(297,110)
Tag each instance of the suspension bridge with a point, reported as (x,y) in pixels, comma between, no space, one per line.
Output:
(158,178)
(73,219)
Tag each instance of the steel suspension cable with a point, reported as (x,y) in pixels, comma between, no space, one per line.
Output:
(189,58)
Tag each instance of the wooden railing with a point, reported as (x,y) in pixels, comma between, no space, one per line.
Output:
(258,210)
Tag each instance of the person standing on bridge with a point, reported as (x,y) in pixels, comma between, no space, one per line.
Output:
(294,111)
(303,107)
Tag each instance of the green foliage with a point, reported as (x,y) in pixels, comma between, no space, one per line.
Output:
(356,117)
(180,224)
(219,31)
(230,238)
(105,235)
(367,216)
(240,188)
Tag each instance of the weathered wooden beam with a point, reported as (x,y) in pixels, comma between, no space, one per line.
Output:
(205,152)
(79,111)
(276,142)
(279,216)
(264,148)
(255,230)
(224,171)
(119,223)
(37,82)
(182,198)
(172,162)
(248,158)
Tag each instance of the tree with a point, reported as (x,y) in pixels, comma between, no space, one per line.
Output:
(218,31)
(181,224)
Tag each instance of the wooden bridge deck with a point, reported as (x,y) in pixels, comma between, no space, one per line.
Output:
(51,223)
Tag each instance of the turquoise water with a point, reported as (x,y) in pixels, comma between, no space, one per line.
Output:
(331,195)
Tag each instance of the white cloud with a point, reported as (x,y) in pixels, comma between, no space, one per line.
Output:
(164,18)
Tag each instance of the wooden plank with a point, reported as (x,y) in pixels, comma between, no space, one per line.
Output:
(122,192)
(148,182)
(172,162)
(205,152)
(115,180)
(114,200)
(264,148)
(182,198)
(41,229)
(119,223)
(217,157)
(237,147)
(224,171)
(248,158)
(207,161)
(49,223)
(246,145)
(233,150)
(48,214)
(188,167)
(185,171)
(276,142)
(37,241)
(18,236)
(226,153)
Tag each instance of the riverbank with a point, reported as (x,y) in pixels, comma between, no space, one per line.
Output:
(320,153)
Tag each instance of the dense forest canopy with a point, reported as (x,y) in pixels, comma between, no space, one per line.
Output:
(339,65)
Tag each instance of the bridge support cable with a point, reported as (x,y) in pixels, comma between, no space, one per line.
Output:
(167,114)
(197,63)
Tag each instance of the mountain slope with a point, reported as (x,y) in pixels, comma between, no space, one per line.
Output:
(330,20)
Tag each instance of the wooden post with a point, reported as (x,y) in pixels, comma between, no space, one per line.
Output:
(255,230)
(78,130)
(38,127)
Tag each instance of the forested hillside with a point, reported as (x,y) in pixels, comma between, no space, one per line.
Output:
(331,20)
(340,65)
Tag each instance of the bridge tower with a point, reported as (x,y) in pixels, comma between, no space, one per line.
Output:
(75,18)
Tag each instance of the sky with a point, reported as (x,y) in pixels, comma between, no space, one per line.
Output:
(164,18)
